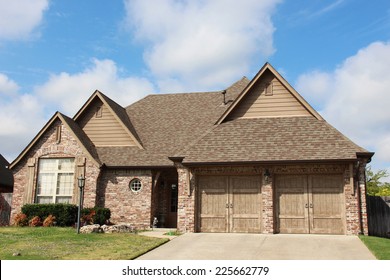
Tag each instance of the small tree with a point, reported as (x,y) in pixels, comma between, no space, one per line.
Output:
(375,186)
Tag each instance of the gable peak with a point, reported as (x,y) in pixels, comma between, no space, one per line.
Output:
(257,100)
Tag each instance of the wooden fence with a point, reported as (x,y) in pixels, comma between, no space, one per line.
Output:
(378,211)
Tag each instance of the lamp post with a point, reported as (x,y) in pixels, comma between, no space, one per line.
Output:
(81,182)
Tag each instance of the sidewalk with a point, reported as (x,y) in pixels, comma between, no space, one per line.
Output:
(159,233)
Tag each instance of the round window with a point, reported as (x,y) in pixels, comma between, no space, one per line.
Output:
(135,185)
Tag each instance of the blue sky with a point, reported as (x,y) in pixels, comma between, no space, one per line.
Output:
(54,54)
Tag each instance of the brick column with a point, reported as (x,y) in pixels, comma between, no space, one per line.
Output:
(267,205)
(186,199)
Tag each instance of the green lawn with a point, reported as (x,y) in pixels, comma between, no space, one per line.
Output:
(380,247)
(57,243)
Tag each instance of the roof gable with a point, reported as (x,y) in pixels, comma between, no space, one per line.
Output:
(268,95)
(106,123)
(77,133)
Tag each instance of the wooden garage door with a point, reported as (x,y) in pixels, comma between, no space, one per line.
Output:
(229,204)
(310,204)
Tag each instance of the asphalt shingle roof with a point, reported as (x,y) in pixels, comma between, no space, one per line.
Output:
(272,139)
(167,123)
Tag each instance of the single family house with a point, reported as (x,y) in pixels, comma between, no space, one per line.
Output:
(255,157)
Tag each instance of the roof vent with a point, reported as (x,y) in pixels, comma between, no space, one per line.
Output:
(224,97)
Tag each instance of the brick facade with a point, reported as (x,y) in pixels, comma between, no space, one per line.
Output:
(127,206)
(25,172)
(110,187)
(106,188)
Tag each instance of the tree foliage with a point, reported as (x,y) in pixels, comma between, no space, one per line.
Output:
(375,185)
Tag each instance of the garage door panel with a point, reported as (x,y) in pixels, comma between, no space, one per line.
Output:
(327,226)
(293,225)
(291,201)
(251,225)
(213,224)
(245,204)
(229,203)
(327,204)
(315,207)
(212,215)
(245,207)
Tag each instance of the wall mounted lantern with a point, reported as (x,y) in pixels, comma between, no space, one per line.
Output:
(267,175)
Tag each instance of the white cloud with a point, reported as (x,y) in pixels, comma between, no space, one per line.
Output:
(316,85)
(67,92)
(202,44)
(355,98)
(23,115)
(19,18)
(7,86)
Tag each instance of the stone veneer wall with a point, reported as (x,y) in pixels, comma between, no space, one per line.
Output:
(126,206)
(25,172)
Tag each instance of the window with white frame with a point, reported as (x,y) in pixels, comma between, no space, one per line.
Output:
(55,180)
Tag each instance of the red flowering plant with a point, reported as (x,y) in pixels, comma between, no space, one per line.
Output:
(35,222)
(20,220)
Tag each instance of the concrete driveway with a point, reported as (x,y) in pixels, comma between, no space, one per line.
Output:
(227,246)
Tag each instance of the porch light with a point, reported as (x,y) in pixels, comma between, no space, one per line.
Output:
(267,174)
(81,183)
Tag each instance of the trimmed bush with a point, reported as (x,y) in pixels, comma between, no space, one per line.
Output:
(66,214)
(96,215)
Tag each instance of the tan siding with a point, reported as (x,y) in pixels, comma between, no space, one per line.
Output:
(258,105)
(105,130)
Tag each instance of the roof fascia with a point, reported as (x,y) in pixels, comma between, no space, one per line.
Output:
(268,66)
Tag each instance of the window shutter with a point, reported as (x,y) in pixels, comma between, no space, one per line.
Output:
(28,194)
(80,170)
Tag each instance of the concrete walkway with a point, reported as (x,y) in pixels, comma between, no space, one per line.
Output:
(225,246)
(159,233)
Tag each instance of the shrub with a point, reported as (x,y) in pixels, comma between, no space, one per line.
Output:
(88,219)
(20,220)
(96,215)
(66,214)
(35,222)
(49,221)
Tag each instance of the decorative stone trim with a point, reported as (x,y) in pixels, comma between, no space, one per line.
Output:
(310,169)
